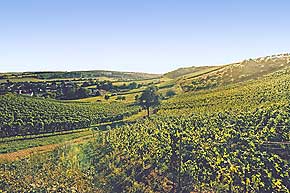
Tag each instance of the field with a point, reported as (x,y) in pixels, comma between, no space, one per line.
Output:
(233,136)
(164,84)
(129,97)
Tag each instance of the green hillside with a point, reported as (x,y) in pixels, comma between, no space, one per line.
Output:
(234,73)
(229,139)
(20,116)
(229,136)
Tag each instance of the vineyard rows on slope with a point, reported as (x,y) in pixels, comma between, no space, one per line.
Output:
(230,139)
(30,116)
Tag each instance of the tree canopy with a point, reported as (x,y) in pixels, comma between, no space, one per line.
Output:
(149,98)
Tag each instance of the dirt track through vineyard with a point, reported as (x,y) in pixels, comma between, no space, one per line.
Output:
(13,156)
(21,154)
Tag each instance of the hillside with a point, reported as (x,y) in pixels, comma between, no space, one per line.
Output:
(234,137)
(96,73)
(187,70)
(69,75)
(232,73)
(21,116)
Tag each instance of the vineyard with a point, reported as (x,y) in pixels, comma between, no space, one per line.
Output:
(234,138)
(20,116)
(144,96)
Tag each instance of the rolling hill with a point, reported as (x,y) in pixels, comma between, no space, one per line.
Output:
(233,138)
(60,75)
(188,70)
(199,78)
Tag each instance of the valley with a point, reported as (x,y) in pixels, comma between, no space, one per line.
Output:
(223,128)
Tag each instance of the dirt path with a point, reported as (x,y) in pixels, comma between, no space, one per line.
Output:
(13,156)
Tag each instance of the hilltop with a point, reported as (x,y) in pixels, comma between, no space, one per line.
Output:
(199,78)
(188,70)
(92,86)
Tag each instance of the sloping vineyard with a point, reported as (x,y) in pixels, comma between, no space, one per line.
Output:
(234,139)
(237,98)
(231,139)
(222,153)
(27,116)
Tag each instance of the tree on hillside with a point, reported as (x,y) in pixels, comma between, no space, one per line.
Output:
(107,97)
(170,93)
(132,85)
(69,92)
(136,97)
(149,98)
(82,93)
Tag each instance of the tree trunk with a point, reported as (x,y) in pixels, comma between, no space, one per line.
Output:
(148,112)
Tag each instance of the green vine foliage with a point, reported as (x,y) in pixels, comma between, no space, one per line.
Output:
(20,116)
(230,139)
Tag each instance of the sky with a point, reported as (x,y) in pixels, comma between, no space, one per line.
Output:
(153,36)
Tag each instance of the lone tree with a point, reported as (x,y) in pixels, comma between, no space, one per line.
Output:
(149,98)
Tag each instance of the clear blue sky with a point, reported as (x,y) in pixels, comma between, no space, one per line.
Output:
(138,35)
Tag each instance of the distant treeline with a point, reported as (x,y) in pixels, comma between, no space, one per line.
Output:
(92,74)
